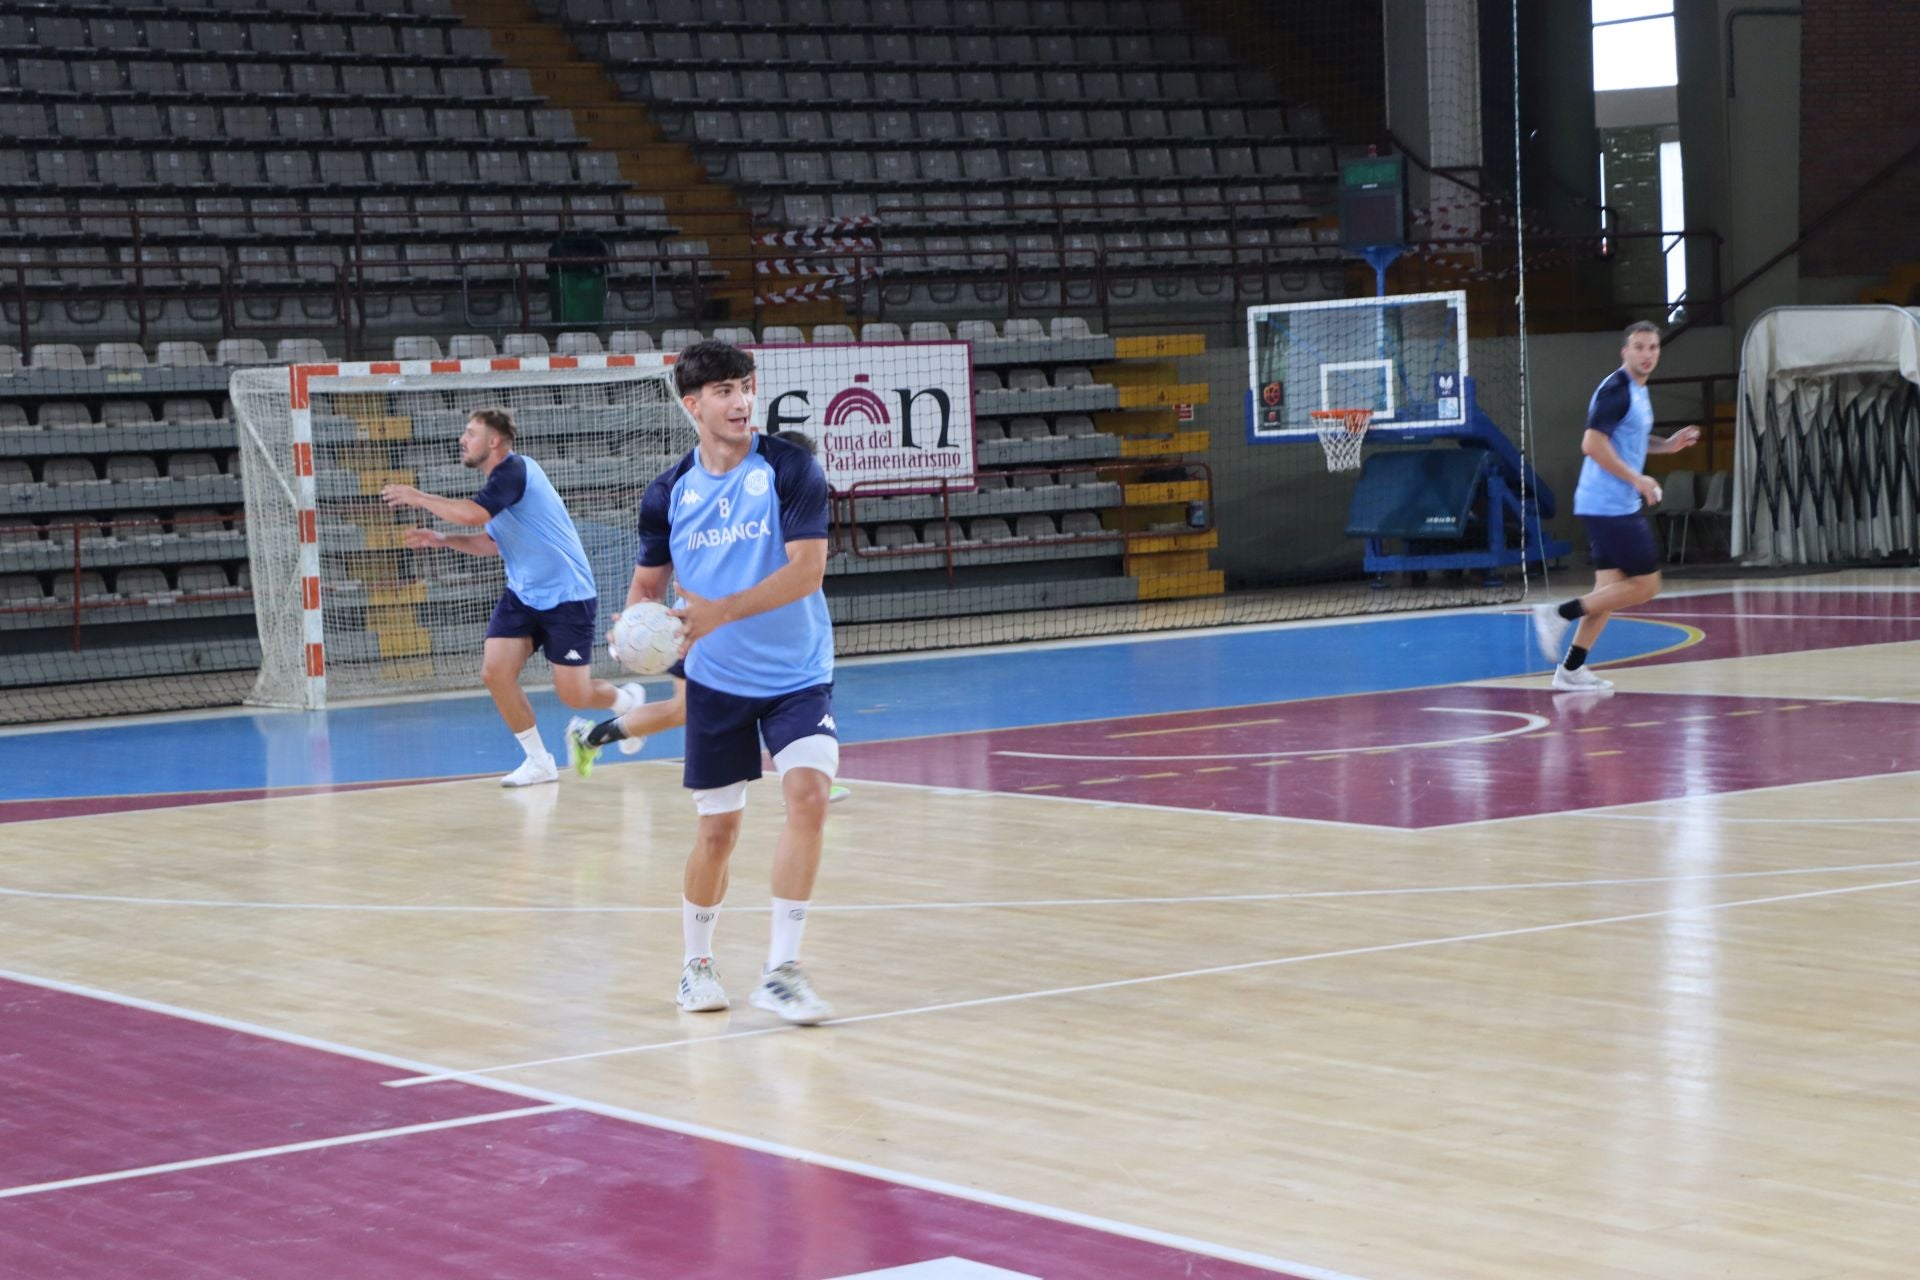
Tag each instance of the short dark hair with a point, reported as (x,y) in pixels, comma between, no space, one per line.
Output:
(494,418)
(1639,326)
(800,438)
(710,361)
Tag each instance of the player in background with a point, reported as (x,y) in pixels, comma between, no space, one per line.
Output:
(1609,500)
(740,525)
(630,732)
(550,598)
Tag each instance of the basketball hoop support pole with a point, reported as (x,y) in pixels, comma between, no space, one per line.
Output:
(1380,257)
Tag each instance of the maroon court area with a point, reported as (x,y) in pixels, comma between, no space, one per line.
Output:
(1421,757)
(92,1087)
(1435,757)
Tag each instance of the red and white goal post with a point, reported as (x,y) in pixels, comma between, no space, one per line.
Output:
(345,610)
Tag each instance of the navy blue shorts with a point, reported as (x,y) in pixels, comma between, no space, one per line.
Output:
(1625,543)
(564,632)
(724,731)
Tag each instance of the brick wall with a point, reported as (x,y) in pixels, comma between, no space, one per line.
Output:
(1859,109)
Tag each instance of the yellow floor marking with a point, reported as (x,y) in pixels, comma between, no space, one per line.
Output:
(1218,768)
(1042,786)
(1591,754)
(1174,774)
(1643,724)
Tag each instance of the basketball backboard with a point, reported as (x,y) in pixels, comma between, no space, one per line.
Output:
(1402,357)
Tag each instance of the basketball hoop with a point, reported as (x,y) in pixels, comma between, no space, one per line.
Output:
(1341,433)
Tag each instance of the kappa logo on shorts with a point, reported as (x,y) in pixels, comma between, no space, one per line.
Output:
(573,655)
(826,722)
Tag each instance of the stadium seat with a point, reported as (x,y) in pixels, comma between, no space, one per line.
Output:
(21,589)
(141,583)
(630,342)
(241,351)
(131,468)
(523,344)
(64,415)
(470,346)
(126,413)
(416,347)
(192,466)
(58,355)
(183,410)
(835,333)
(202,579)
(578,344)
(1035,526)
(14,418)
(181,355)
(782,333)
(119,355)
(300,351)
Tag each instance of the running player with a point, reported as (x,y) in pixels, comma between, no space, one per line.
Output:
(550,598)
(740,524)
(1608,500)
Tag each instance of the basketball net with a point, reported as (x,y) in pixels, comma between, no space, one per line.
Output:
(1341,433)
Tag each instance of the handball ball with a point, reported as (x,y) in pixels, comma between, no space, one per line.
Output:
(646,638)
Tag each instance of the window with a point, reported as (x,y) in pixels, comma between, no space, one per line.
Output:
(1633,45)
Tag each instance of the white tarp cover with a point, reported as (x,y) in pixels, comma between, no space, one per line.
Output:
(1815,358)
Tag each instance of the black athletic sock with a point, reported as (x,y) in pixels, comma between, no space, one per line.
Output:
(1575,656)
(604,732)
(1573,609)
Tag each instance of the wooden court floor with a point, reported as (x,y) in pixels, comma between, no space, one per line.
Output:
(1670,1038)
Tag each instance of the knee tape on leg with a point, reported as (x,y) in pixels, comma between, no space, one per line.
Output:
(728,799)
(818,751)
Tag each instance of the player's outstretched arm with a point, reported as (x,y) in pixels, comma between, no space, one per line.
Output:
(473,544)
(452,510)
(799,577)
(1684,438)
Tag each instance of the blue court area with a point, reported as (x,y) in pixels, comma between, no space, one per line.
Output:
(874,701)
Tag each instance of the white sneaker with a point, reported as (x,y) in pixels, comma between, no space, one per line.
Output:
(532,772)
(1580,681)
(700,989)
(786,991)
(1550,631)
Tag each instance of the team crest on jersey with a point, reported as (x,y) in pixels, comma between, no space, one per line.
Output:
(756,483)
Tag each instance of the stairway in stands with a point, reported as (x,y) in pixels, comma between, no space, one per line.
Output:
(653,163)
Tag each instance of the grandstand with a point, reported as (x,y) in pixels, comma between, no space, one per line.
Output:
(1090,194)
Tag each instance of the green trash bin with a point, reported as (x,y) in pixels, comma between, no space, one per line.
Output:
(577,290)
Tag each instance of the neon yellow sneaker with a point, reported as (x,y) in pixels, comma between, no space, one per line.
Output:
(579,754)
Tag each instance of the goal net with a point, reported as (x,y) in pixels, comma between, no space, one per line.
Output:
(345,609)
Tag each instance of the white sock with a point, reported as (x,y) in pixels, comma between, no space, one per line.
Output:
(531,744)
(696,925)
(628,696)
(789,922)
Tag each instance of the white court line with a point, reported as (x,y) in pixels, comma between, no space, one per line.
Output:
(1697,619)
(1720,820)
(975,1195)
(262,1153)
(1601,810)
(1530,722)
(996,904)
(1121,983)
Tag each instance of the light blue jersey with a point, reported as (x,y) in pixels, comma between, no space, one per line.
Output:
(546,565)
(1622,411)
(726,533)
